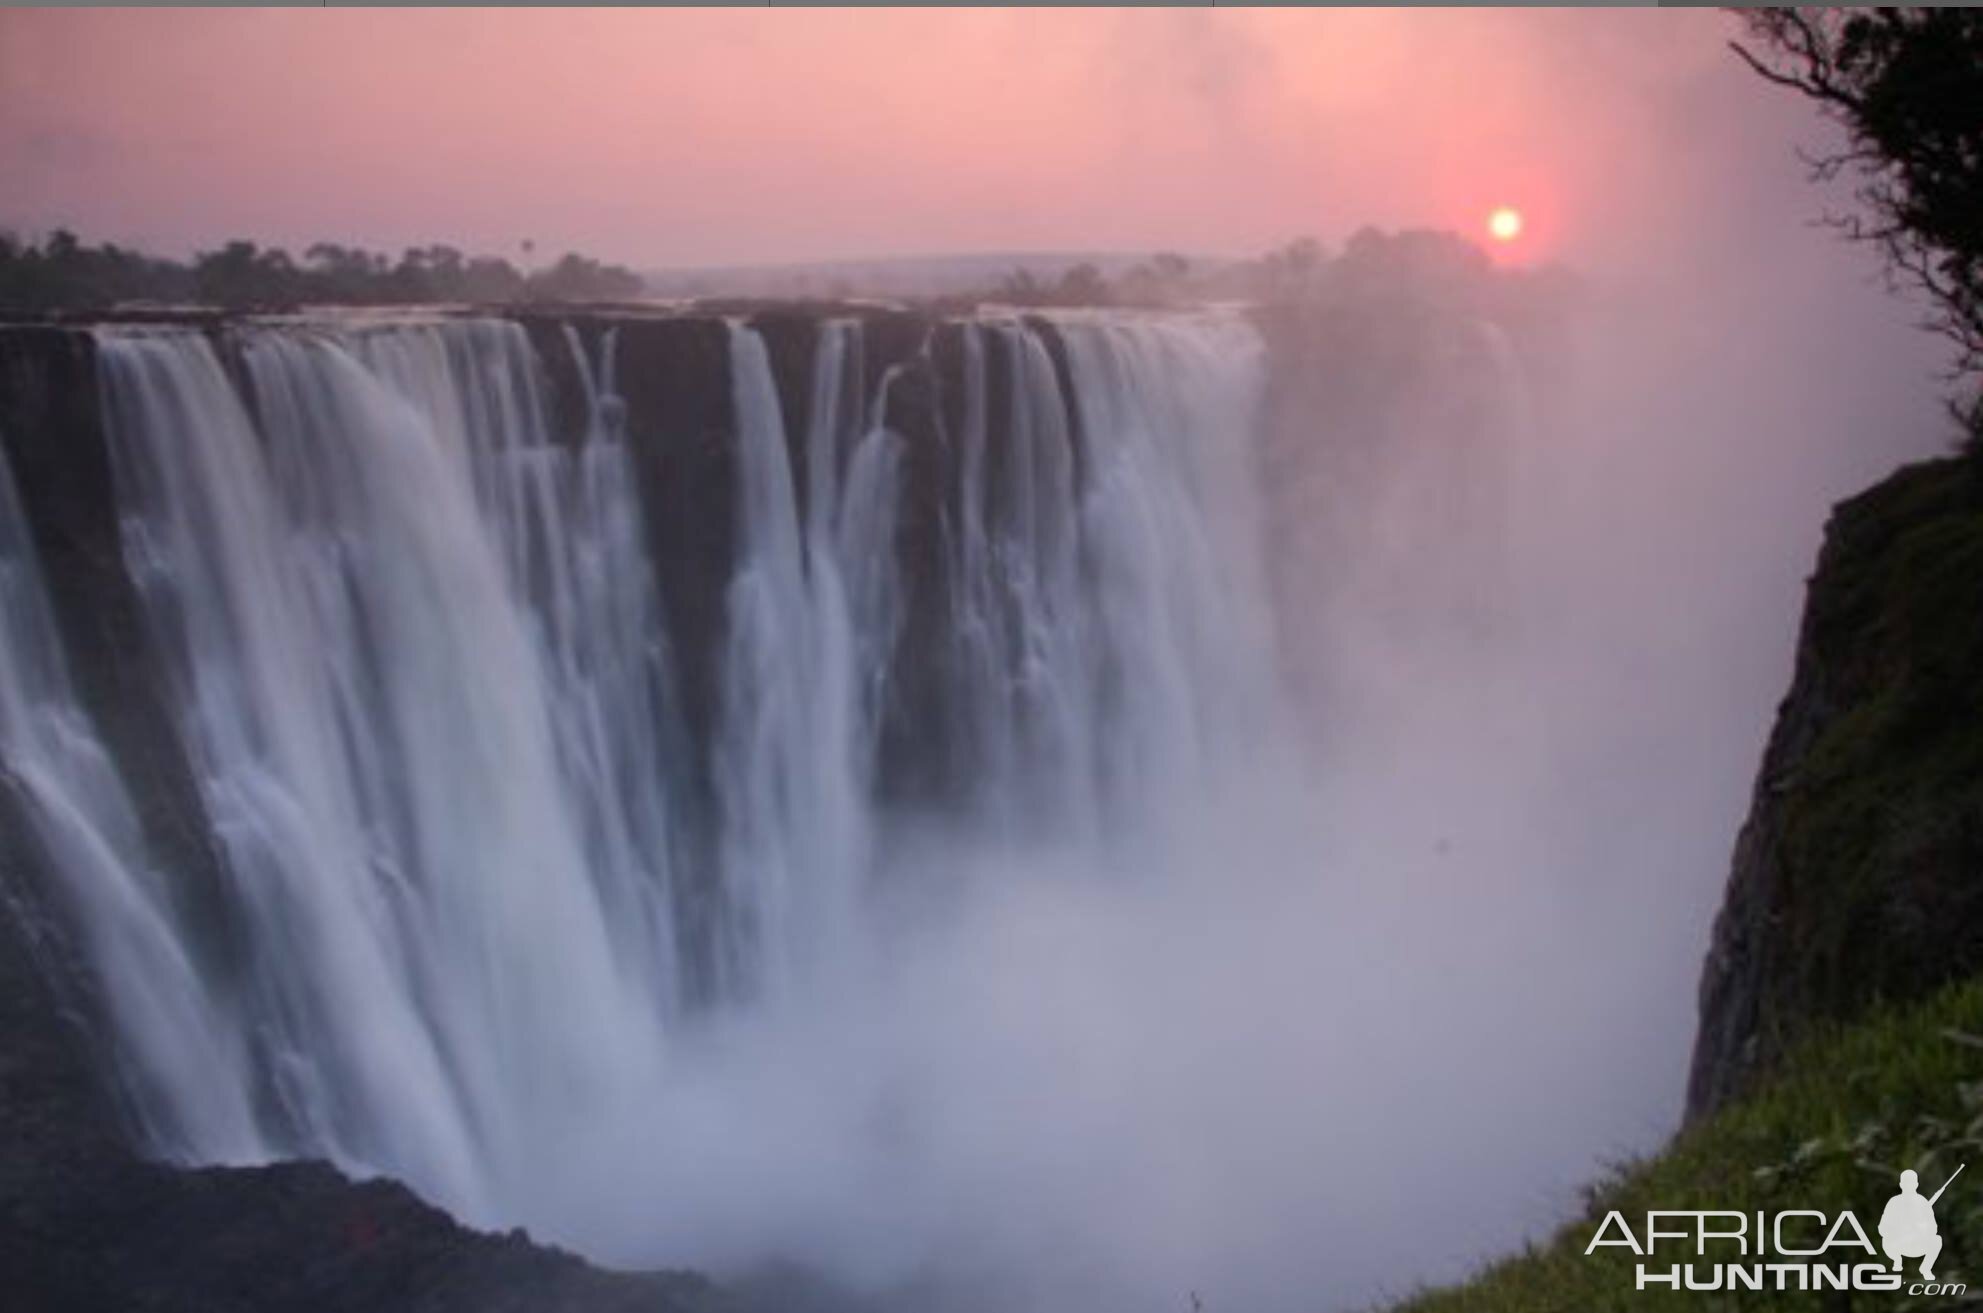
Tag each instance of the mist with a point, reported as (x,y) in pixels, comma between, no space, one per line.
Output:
(1366,1004)
(1373,1010)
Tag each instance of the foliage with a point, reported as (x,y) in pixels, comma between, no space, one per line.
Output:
(576,278)
(1081,284)
(1907,86)
(1423,266)
(1882,815)
(1903,1088)
(62,273)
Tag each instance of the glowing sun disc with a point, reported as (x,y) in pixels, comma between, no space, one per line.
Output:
(1505,224)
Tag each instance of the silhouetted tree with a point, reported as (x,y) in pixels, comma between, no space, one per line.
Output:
(490,280)
(1082,285)
(1907,86)
(243,274)
(342,274)
(1019,287)
(576,278)
(1291,271)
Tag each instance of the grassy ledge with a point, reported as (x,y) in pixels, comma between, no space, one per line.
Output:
(1902,1087)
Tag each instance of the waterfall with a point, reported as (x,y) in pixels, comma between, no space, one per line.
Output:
(486,891)
(70,797)
(1042,672)
(812,616)
(1178,592)
(1108,614)
(436,968)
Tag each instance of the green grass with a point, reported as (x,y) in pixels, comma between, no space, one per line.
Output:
(1850,1109)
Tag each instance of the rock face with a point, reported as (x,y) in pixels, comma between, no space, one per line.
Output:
(86,1225)
(1858,875)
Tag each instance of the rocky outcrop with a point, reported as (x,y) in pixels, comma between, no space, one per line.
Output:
(86,1225)
(1858,875)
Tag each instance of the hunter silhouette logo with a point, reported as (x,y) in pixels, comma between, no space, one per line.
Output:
(1797,1249)
(1907,1227)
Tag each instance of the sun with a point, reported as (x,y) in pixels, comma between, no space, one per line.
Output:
(1504,224)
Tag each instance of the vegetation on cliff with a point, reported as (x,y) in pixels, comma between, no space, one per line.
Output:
(1854,880)
(1851,1107)
(1882,818)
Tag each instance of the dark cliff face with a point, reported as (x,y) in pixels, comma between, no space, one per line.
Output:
(1858,875)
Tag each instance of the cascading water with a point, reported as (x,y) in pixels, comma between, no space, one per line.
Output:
(64,789)
(810,604)
(483,913)
(432,967)
(1107,611)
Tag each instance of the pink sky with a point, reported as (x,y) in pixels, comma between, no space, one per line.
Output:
(684,137)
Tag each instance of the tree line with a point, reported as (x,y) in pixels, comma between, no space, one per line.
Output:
(62,272)
(1371,265)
